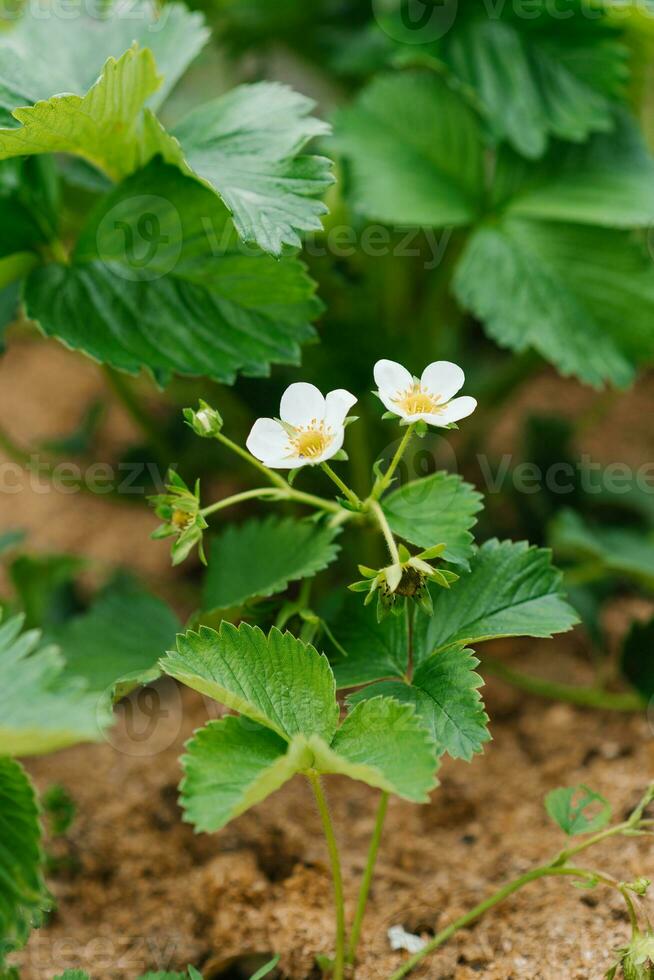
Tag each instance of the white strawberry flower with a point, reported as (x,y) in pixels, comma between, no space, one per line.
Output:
(310,430)
(430,399)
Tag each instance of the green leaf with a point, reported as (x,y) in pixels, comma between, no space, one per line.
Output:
(159,279)
(122,634)
(511,590)
(414,152)
(637,659)
(607,181)
(84,43)
(261,558)
(247,146)
(614,550)
(578,810)
(41,709)
(267,968)
(45,587)
(439,509)
(583,297)
(23,895)
(107,126)
(73,975)
(384,744)
(231,765)
(533,83)
(445,694)
(276,680)
(374,649)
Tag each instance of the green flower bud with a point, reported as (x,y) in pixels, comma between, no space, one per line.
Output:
(206,422)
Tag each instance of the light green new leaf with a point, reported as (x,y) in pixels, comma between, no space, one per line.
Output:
(583,297)
(511,590)
(84,43)
(108,126)
(159,279)
(578,810)
(121,635)
(22,890)
(41,708)
(384,744)
(276,680)
(445,694)
(260,558)
(414,152)
(607,181)
(247,146)
(615,550)
(232,764)
(439,509)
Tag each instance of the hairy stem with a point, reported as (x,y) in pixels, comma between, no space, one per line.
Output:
(337,877)
(364,891)
(349,495)
(380,517)
(262,493)
(385,480)
(587,697)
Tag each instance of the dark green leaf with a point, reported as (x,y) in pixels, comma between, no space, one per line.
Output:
(637,661)
(613,550)
(261,558)
(45,585)
(440,509)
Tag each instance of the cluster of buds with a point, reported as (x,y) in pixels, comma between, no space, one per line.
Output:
(405,580)
(179,509)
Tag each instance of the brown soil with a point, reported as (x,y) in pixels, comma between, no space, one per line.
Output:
(137,890)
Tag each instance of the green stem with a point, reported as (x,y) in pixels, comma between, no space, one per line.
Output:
(337,878)
(125,393)
(253,461)
(483,907)
(585,697)
(364,891)
(380,517)
(350,495)
(410,611)
(292,608)
(237,498)
(385,480)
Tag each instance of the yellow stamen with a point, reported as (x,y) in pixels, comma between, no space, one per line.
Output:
(417,401)
(312,441)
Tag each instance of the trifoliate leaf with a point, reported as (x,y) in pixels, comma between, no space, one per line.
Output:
(511,590)
(247,146)
(384,744)
(261,558)
(614,550)
(276,680)
(445,694)
(637,660)
(536,81)
(22,890)
(123,633)
(84,43)
(107,126)
(159,279)
(232,764)
(414,152)
(583,297)
(578,810)
(41,708)
(438,509)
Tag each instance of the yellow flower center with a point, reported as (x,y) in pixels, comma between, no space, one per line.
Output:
(416,401)
(312,441)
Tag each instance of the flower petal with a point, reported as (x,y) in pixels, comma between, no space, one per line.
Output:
(443,378)
(337,404)
(456,410)
(267,440)
(334,446)
(301,403)
(391,379)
